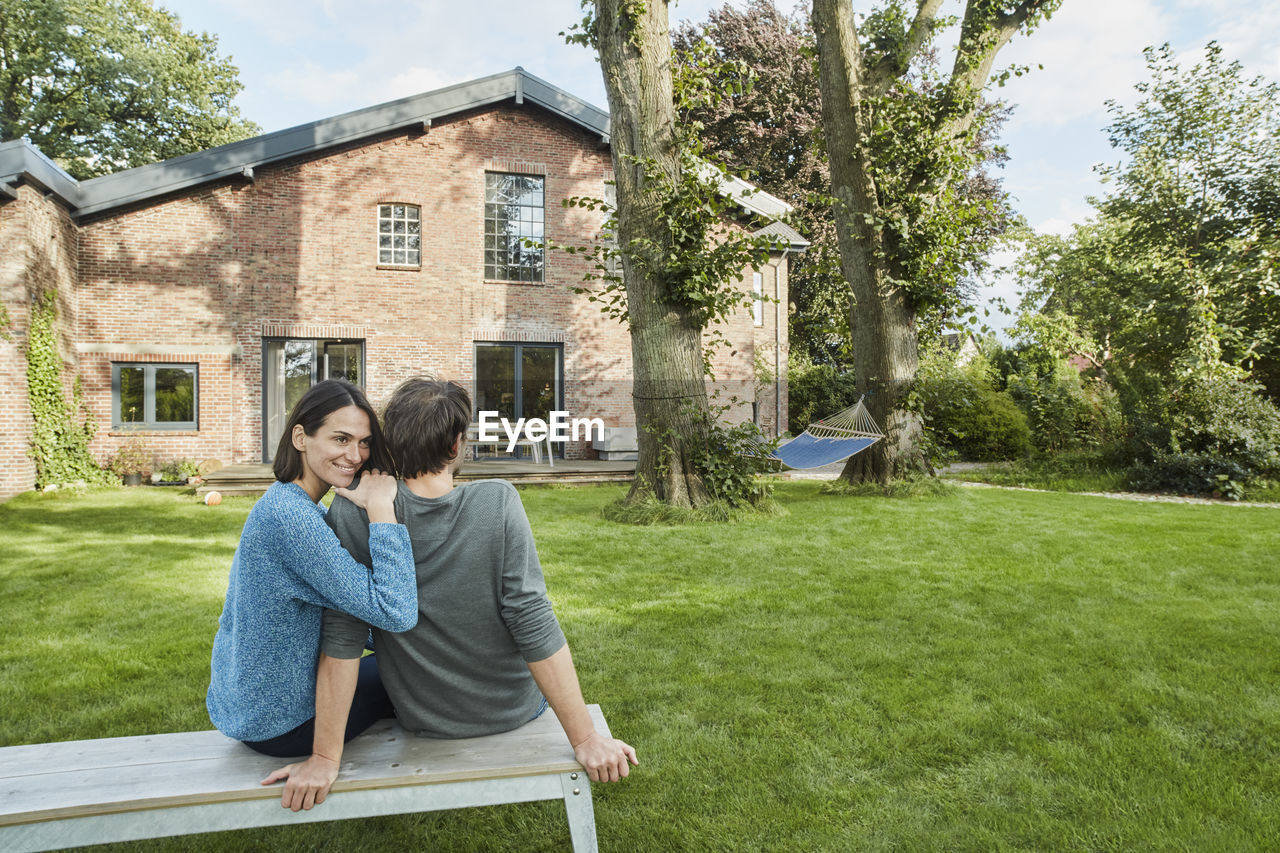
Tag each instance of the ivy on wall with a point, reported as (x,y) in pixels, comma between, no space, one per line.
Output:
(61,432)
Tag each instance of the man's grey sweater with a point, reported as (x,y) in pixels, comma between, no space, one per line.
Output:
(483,612)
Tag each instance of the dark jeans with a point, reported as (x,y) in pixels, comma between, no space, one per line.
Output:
(369,705)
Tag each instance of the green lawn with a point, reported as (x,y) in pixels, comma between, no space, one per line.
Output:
(978,671)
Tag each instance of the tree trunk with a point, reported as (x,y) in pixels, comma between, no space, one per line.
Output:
(883,322)
(669,391)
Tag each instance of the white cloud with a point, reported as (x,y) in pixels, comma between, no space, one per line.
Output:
(1061,226)
(1091,51)
(1247,34)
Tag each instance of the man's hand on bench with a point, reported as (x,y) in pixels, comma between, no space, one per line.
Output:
(309,782)
(605,758)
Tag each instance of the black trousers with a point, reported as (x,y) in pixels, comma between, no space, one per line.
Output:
(369,705)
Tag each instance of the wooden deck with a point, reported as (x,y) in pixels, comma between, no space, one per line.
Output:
(253,479)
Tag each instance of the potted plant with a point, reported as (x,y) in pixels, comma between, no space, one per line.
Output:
(132,460)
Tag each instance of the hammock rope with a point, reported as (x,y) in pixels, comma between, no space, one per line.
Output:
(832,439)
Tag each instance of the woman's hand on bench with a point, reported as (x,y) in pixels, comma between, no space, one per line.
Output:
(309,782)
(605,758)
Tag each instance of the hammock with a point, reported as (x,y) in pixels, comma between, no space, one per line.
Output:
(832,439)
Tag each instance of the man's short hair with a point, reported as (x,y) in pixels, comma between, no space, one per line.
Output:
(420,423)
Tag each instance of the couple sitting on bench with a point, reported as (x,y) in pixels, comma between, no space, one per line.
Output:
(486,654)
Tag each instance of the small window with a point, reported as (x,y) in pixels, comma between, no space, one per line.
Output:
(757,305)
(399,235)
(154,396)
(513,214)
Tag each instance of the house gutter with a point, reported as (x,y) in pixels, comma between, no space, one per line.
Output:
(777,341)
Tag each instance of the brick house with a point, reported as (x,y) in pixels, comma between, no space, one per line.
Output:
(200,296)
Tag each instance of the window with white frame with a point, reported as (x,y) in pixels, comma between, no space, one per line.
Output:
(154,396)
(399,235)
(513,215)
(757,305)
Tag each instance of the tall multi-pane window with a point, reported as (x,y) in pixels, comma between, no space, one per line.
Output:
(513,214)
(153,396)
(399,235)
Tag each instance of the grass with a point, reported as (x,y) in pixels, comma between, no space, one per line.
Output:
(1063,472)
(969,671)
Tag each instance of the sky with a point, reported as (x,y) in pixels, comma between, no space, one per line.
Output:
(303,60)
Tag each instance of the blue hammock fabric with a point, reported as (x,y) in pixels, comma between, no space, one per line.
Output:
(809,451)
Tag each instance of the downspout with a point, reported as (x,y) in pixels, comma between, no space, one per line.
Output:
(777,342)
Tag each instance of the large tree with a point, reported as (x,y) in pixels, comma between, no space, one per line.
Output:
(1177,273)
(771,128)
(900,146)
(104,85)
(682,257)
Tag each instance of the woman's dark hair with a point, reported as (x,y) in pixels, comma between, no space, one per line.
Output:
(316,405)
(423,418)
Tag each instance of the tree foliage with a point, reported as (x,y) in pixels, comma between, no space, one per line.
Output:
(903,141)
(769,130)
(103,85)
(773,131)
(1170,290)
(1176,274)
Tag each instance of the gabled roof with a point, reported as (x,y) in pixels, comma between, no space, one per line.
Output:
(20,160)
(784,233)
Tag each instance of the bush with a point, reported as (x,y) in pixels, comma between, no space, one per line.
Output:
(1190,474)
(1229,420)
(1205,418)
(178,470)
(966,414)
(1066,412)
(816,391)
(732,460)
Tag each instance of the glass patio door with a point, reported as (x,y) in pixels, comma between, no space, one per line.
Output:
(518,380)
(289,369)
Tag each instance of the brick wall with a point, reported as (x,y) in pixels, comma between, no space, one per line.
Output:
(38,252)
(203,276)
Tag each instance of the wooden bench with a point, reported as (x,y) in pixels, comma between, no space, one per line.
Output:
(74,793)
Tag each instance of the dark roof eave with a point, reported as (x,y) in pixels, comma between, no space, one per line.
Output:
(22,161)
(134,185)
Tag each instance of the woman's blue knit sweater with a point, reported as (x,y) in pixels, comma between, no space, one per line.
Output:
(287,569)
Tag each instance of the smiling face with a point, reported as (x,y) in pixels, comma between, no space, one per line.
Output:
(335,453)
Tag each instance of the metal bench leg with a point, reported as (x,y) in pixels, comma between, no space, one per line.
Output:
(582,817)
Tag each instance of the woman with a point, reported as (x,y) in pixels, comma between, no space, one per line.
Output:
(289,567)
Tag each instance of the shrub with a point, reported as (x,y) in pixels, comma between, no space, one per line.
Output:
(966,414)
(732,460)
(133,457)
(815,391)
(1066,412)
(1190,474)
(1205,418)
(178,470)
(1229,420)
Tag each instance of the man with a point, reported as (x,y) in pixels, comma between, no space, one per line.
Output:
(487,648)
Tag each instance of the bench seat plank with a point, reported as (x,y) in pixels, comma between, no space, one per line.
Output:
(56,781)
